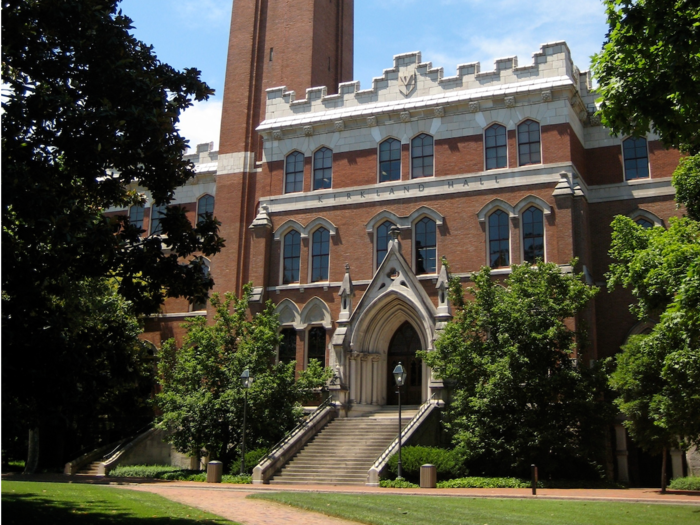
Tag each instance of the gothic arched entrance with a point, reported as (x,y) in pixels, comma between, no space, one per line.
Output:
(402,349)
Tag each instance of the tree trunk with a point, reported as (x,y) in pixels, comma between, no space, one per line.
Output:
(32,452)
(663,472)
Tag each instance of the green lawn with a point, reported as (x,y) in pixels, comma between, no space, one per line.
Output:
(411,510)
(27,503)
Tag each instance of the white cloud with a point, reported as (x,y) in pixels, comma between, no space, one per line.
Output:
(201,13)
(201,123)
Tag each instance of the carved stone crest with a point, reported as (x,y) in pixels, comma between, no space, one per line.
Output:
(440,111)
(546,96)
(405,116)
(510,102)
(408,83)
(371,121)
(473,107)
(308,130)
(339,125)
(277,134)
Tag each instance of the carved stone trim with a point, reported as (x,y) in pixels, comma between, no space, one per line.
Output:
(510,102)
(473,107)
(440,111)
(277,134)
(405,116)
(371,121)
(546,96)
(339,125)
(308,130)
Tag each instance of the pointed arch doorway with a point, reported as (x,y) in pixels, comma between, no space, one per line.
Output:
(402,349)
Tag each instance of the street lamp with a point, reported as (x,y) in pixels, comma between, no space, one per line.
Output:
(246,381)
(400,378)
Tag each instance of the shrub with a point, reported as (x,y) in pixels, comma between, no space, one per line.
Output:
(685,484)
(141,471)
(484,483)
(398,483)
(448,462)
(252,458)
(237,480)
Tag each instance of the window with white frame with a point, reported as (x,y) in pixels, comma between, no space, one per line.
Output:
(426,246)
(529,143)
(389,160)
(320,251)
(316,347)
(136,216)
(381,242)
(496,148)
(294,173)
(499,240)
(205,208)
(422,156)
(532,225)
(323,169)
(636,158)
(291,257)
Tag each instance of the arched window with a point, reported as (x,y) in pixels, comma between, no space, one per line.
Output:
(499,240)
(292,251)
(319,255)
(422,156)
(317,345)
(426,240)
(382,240)
(288,345)
(389,160)
(136,216)
(205,208)
(157,213)
(496,147)
(323,169)
(636,158)
(644,223)
(529,143)
(532,224)
(294,173)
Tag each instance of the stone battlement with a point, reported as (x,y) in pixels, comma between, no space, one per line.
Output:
(410,79)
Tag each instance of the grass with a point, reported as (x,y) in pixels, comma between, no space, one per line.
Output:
(409,510)
(28,503)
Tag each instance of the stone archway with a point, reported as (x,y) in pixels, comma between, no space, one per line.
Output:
(402,349)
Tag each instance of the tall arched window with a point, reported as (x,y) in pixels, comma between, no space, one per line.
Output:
(205,208)
(294,173)
(136,216)
(382,240)
(317,344)
(496,147)
(422,156)
(389,160)
(323,169)
(426,244)
(533,234)
(292,251)
(319,255)
(529,143)
(288,345)
(157,213)
(499,240)
(636,158)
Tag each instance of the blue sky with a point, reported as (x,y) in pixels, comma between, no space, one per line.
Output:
(194,33)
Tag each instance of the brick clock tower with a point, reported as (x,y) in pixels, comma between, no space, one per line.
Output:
(294,43)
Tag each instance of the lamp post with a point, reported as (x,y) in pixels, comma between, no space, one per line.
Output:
(400,378)
(246,381)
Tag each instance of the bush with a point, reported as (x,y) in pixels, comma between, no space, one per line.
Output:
(398,483)
(252,458)
(141,471)
(169,473)
(237,480)
(448,462)
(484,483)
(685,484)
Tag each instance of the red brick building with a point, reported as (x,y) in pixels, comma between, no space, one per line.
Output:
(337,202)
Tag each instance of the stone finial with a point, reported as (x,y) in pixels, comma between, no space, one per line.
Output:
(262,219)
(442,285)
(394,233)
(564,186)
(347,291)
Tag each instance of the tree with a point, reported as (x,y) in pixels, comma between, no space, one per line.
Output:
(649,70)
(88,112)
(202,396)
(518,396)
(658,374)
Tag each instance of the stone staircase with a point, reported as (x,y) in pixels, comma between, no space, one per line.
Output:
(90,469)
(345,449)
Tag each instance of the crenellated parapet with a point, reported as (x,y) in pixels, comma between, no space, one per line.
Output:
(415,85)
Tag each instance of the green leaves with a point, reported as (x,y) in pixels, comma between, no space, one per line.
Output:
(518,398)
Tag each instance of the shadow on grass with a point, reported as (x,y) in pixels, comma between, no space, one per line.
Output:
(30,509)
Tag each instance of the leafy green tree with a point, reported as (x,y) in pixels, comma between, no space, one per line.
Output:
(518,396)
(88,112)
(649,70)
(202,396)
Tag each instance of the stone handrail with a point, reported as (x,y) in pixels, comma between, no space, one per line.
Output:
(293,442)
(422,415)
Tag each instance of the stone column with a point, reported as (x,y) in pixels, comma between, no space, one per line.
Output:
(623,471)
(375,378)
(676,463)
(354,373)
(366,380)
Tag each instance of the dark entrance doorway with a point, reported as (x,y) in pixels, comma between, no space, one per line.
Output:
(402,349)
